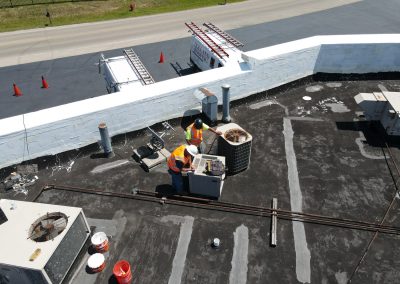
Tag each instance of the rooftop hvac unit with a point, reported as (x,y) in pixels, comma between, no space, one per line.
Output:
(382,106)
(235,145)
(39,242)
(208,178)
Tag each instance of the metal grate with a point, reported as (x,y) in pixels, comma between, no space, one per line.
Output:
(63,257)
(236,135)
(48,227)
(218,50)
(138,67)
(235,145)
(224,34)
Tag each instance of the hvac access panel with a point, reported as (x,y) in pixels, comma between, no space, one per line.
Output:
(34,256)
(201,182)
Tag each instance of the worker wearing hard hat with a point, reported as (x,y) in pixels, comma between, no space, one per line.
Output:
(194,134)
(180,161)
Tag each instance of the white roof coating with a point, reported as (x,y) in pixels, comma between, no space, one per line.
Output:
(310,42)
(16,247)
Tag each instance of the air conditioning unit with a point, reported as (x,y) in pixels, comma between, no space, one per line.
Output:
(39,242)
(204,180)
(235,145)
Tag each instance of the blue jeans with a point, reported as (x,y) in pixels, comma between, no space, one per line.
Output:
(177,181)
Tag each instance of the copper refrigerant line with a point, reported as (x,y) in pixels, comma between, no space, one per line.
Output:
(203,203)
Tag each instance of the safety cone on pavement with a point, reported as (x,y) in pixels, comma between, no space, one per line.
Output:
(44,83)
(17,91)
(161,58)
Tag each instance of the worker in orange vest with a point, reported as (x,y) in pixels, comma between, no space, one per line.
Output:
(194,134)
(180,161)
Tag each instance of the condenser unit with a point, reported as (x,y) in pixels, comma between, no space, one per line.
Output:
(235,145)
(39,242)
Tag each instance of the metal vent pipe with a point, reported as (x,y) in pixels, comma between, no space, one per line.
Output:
(225,103)
(105,140)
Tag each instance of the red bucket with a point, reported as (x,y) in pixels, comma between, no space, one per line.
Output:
(122,271)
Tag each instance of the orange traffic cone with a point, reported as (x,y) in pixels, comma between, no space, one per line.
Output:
(161,58)
(17,91)
(44,83)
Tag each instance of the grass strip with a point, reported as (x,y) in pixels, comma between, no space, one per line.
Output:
(65,13)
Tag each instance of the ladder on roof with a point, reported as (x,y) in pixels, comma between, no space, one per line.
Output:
(218,50)
(224,34)
(138,67)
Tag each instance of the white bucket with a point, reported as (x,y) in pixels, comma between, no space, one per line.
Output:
(100,242)
(96,262)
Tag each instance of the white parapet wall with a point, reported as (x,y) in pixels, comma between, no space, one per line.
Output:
(71,126)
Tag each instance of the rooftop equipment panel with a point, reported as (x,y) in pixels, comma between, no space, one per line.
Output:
(124,72)
(208,177)
(383,107)
(39,241)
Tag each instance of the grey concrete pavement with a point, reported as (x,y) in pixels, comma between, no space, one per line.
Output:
(56,42)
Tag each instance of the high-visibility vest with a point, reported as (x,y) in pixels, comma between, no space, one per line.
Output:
(177,155)
(196,135)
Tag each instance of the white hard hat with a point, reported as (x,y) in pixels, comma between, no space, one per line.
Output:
(192,150)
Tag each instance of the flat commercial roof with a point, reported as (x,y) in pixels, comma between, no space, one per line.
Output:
(311,150)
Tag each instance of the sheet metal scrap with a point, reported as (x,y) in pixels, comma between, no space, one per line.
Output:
(18,182)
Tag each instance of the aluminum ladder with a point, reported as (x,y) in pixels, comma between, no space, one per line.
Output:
(138,67)
(218,50)
(224,35)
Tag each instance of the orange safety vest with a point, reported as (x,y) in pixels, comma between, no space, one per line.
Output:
(196,135)
(177,155)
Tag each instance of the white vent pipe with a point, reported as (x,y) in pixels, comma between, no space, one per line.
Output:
(225,103)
